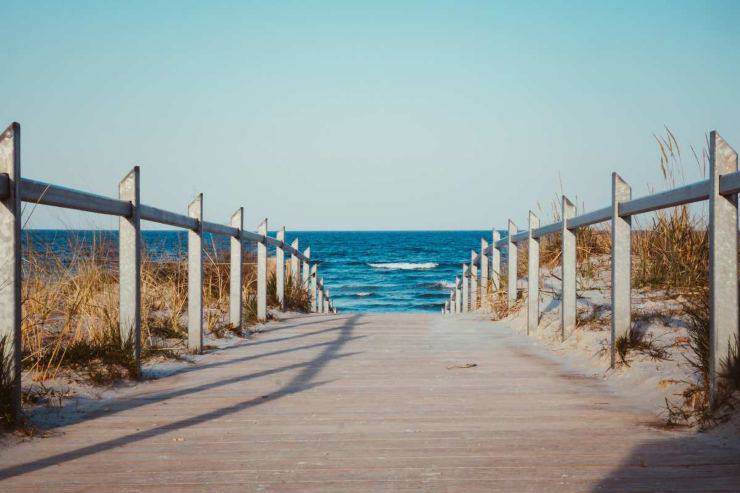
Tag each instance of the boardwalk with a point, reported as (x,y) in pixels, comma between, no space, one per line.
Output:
(371,403)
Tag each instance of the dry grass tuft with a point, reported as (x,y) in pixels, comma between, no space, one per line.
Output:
(498,300)
(673,254)
(670,259)
(637,341)
(296,294)
(70,311)
(591,242)
(694,406)
(7,415)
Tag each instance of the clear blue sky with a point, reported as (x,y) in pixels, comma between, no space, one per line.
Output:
(363,115)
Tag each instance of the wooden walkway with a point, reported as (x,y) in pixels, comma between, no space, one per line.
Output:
(371,403)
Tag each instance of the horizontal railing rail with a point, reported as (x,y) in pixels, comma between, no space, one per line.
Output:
(54,195)
(14,189)
(694,192)
(41,193)
(720,189)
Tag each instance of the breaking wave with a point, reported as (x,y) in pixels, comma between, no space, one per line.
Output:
(440,285)
(405,266)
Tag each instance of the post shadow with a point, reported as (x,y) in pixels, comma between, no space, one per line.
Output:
(684,463)
(299,383)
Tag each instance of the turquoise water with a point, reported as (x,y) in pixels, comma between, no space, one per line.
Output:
(370,271)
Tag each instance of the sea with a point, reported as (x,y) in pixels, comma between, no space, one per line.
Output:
(365,271)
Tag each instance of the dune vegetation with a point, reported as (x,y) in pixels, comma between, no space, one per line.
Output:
(670,252)
(70,324)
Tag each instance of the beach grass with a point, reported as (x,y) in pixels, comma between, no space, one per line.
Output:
(670,262)
(70,307)
(7,414)
(296,294)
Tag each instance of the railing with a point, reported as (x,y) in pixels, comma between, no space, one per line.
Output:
(128,207)
(720,189)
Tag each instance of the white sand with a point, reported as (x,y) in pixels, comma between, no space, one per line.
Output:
(647,381)
(70,395)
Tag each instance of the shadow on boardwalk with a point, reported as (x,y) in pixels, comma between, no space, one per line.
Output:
(662,465)
(304,380)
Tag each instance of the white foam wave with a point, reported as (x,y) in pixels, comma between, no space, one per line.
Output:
(445,284)
(404,266)
(363,293)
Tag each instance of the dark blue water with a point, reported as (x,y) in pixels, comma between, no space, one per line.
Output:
(381,271)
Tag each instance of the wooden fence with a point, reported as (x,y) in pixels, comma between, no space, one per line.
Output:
(128,207)
(720,189)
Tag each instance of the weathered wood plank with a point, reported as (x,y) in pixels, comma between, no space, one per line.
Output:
(370,403)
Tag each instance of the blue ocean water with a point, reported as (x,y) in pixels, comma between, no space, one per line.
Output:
(369,271)
(388,271)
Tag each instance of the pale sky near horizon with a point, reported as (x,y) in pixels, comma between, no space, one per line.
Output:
(364,115)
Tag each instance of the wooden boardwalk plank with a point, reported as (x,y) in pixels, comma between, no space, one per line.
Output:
(371,403)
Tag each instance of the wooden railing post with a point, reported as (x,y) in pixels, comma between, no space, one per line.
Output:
(129,266)
(314,282)
(465,288)
(533,275)
(262,273)
(511,260)
(10,261)
(495,261)
(235,277)
(458,296)
(295,266)
(327,304)
(306,267)
(320,301)
(280,268)
(484,274)
(568,267)
(621,265)
(473,282)
(723,289)
(195,277)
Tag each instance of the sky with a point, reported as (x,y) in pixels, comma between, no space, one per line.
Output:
(349,115)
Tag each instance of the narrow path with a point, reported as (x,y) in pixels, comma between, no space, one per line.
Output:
(371,403)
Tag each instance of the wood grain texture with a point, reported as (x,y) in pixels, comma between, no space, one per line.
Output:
(356,402)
